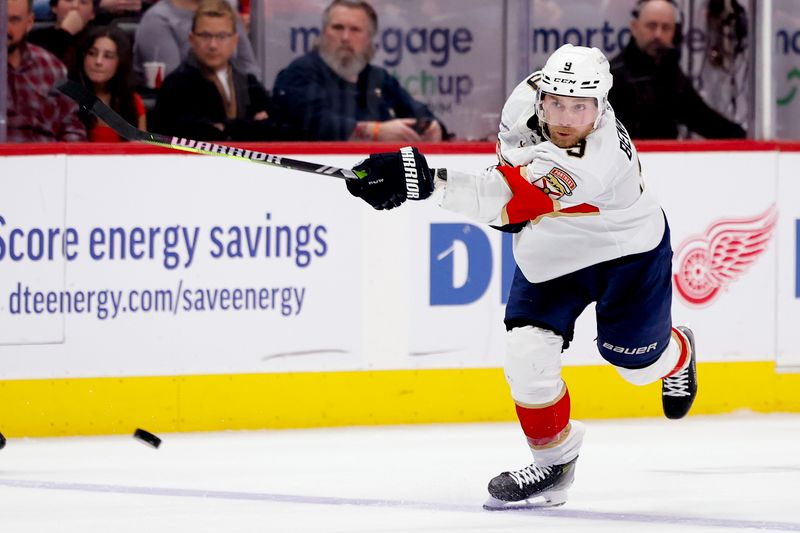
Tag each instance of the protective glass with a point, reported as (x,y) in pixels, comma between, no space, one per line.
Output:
(566,111)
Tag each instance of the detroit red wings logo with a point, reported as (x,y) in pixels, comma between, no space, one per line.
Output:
(706,264)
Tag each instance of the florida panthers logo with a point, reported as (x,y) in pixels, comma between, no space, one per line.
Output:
(706,264)
(556,183)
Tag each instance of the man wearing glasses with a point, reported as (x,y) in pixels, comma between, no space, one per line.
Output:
(207,97)
(163,36)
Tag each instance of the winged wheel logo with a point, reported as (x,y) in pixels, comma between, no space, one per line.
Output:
(706,264)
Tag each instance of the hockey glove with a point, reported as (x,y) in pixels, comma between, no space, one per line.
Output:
(388,179)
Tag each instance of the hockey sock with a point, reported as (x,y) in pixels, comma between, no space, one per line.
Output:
(683,356)
(543,424)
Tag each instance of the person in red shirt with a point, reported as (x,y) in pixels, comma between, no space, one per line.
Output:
(105,66)
(36,112)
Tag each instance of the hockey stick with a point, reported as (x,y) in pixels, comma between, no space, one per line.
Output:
(88,101)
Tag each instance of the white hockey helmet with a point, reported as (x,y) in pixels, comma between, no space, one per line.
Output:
(575,71)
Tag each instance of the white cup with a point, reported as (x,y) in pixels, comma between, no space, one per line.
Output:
(154,73)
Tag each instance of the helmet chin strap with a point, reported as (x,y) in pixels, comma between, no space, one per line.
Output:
(545,127)
(546,131)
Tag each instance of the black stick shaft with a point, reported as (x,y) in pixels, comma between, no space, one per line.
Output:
(94,105)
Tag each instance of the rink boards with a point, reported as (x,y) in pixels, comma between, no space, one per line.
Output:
(179,292)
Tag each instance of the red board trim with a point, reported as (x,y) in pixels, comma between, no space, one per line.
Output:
(328,148)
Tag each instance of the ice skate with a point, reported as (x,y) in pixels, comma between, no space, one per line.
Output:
(678,391)
(531,487)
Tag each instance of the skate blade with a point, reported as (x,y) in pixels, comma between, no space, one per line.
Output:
(551,499)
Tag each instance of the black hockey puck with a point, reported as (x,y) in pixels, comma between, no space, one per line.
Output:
(147,438)
(2,441)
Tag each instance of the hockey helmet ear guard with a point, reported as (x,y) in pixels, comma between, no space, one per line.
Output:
(578,78)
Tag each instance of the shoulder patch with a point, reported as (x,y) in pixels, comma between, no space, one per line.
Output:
(556,183)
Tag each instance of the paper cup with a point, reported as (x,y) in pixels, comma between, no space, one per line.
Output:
(154,74)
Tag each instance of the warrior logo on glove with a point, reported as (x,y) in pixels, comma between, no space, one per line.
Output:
(410,168)
(388,179)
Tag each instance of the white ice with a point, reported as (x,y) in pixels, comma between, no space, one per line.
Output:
(702,474)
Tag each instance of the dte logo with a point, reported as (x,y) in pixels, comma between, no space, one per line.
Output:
(461,264)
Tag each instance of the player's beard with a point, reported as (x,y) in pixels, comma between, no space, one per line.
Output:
(344,61)
(567,137)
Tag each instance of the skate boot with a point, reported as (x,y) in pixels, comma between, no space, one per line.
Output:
(678,391)
(530,487)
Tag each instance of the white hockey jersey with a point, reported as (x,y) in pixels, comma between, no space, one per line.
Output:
(603,210)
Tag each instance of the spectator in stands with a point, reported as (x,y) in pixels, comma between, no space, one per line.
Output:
(36,111)
(72,21)
(651,95)
(104,66)
(208,98)
(115,9)
(334,93)
(163,35)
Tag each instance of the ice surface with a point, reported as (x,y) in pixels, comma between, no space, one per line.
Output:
(700,474)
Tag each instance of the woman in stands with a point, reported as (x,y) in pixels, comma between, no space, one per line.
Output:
(104,66)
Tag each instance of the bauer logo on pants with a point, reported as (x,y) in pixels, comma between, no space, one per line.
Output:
(706,264)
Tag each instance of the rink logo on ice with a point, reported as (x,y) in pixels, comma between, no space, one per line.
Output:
(461,264)
(704,265)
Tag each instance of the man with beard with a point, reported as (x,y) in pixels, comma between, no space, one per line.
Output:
(651,95)
(333,93)
(36,112)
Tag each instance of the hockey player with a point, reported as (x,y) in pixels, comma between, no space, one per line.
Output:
(587,229)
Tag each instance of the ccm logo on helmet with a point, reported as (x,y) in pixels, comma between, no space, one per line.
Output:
(562,80)
(630,351)
(410,169)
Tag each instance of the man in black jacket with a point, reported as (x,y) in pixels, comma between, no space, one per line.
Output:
(206,97)
(651,95)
